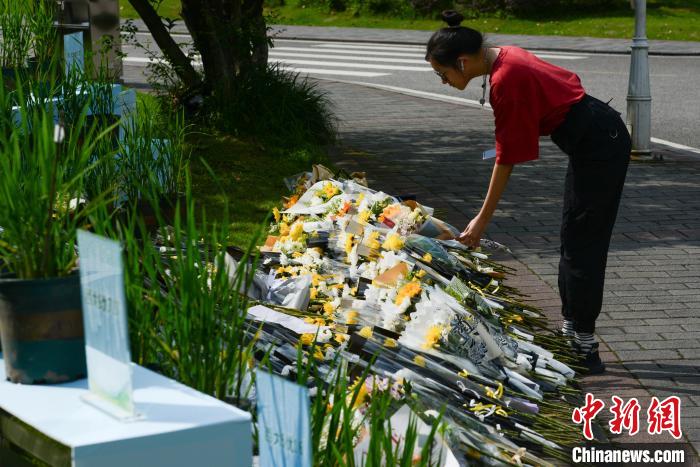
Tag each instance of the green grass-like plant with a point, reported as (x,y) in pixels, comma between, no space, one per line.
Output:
(279,109)
(41,183)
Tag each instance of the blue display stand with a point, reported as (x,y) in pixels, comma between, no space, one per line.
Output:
(180,427)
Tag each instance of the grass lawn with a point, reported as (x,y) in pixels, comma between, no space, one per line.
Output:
(250,180)
(666,19)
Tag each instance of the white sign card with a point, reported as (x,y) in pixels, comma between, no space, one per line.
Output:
(106,328)
(284,430)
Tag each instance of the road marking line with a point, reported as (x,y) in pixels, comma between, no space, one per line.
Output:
(416,93)
(140,60)
(320,71)
(675,145)
(350,51)
(362,74)
(473,103)
(351,65)
(346,57)
(559,57)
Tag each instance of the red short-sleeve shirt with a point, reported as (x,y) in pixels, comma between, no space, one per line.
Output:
(530,98)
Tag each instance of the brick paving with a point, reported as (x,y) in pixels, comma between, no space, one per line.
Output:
(649,325)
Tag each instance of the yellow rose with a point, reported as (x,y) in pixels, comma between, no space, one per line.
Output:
(366,332)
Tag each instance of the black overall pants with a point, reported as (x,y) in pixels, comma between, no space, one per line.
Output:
(598,145)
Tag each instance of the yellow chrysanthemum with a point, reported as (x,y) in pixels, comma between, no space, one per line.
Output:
(432,337)
(318,354)
(419,360)
(328,308)
(363,217)
(296,230)
(315,279)
(390,343)
(393,242)
(362,393)
(313,293)
(330,190)
(372,240)
(409,289)
(339,338)
(366,332)
(427,257)
(284,229)
(352,314)
(276,213)
(359,199)
(420,274)
(307,339)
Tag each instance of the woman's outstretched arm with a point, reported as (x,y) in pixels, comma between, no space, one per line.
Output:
(499,180)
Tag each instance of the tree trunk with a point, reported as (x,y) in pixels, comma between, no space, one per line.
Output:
(182,65)
(231,37)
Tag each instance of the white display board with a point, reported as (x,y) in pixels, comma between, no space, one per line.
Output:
(106,326)
(181,427)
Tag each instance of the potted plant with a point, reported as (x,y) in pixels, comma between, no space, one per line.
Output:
(152,163)
(42,168)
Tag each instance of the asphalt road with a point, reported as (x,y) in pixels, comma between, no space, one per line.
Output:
(675,81)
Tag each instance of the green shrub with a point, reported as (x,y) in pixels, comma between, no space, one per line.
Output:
(279,109)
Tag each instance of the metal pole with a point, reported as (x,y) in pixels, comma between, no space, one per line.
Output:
(105,35)
(639,93)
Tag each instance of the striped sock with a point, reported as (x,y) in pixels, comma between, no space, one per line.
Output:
(585,341)
(568,328)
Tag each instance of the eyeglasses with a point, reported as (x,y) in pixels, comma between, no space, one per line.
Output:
(441,75)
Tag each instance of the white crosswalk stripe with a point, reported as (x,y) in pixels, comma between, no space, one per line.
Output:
(348,51)
(347,57)
(321,71)
(366,60)
(352,65)
(393,48)
(326,58)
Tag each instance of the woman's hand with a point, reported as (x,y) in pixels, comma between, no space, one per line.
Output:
(472,234)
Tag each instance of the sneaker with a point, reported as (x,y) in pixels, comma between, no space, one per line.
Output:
(591,359)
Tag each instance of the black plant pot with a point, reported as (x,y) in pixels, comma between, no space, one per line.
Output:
(41,328)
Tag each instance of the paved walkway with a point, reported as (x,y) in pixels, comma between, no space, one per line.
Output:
(650,323)
(402,36)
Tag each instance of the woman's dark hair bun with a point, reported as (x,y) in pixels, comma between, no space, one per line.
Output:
(452,18)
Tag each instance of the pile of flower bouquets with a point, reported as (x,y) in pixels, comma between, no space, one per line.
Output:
(357,281)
